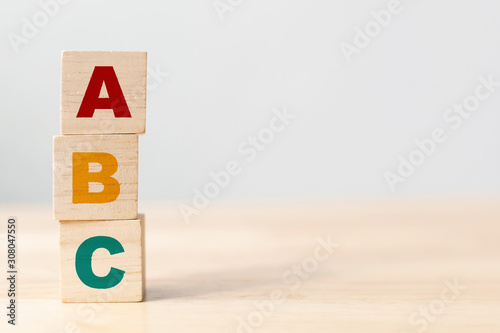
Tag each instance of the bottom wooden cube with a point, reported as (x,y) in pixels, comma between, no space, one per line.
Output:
(102,261)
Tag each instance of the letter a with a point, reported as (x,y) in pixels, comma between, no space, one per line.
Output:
(116,101)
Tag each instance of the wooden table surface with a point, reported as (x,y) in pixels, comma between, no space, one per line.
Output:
(393,267)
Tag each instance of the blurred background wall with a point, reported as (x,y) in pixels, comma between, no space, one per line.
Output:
(361,82)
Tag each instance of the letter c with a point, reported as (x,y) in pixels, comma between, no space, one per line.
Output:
(83,262)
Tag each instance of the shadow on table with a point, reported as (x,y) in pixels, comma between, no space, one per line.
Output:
(205,283)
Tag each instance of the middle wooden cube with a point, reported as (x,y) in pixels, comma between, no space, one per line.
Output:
(95,177)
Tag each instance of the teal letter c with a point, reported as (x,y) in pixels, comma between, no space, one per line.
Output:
(83,262)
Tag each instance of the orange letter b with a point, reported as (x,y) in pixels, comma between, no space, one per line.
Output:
(82,177)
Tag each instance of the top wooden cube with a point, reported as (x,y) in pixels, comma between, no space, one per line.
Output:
(103,92)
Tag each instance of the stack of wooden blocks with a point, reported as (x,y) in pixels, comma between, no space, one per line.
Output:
(103,109)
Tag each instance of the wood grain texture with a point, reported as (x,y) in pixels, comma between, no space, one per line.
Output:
(393,260)
(131,71)
(130,235)
(124,148)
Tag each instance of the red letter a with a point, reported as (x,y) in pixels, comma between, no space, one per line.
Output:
(116,100)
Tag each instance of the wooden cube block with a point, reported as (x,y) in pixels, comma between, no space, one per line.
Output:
(95,177)
(102,261)
(103,92)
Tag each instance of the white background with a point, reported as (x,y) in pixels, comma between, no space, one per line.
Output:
(352,121)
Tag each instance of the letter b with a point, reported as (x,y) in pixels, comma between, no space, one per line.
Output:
(427,146)
(222,178)
(51,7)
(383,17)
(82,177)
